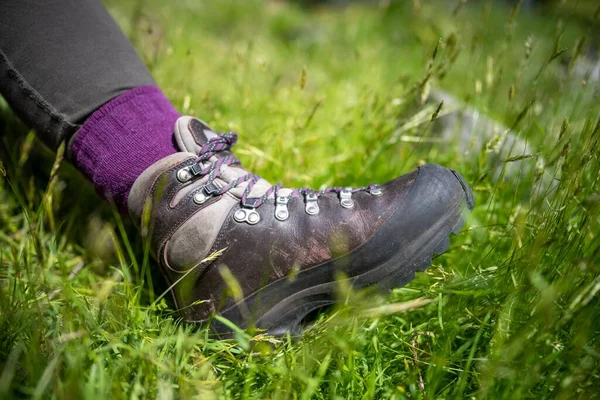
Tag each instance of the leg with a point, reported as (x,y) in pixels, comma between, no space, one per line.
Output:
(58,63)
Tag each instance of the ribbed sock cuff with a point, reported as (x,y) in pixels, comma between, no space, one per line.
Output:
(123,138)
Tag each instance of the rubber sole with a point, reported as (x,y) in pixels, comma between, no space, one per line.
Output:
(283,308)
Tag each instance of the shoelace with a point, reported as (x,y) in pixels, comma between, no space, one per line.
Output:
(223,142)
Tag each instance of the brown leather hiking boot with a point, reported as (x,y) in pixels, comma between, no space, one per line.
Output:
(281,248)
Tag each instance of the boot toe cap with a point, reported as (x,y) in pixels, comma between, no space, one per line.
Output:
(437,191)
(437,186)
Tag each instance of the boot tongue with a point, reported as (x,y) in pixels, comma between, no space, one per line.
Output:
(191,133)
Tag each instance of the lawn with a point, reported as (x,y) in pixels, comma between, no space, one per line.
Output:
(327,96)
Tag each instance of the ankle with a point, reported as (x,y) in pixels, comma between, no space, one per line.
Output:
(122,138)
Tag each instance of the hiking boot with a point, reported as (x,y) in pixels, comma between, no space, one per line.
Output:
(279,250)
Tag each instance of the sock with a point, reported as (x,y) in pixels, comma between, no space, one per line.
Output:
(123,138)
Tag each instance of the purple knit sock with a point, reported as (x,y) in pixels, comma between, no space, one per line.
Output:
(124,137)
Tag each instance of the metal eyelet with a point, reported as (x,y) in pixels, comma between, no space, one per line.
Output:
(346,198)
(281,210)
(375,191)
(184,175)
(211,189)
(249,215)
(205,193)
(252,217)
(312,207)
(240,215)
(200,197)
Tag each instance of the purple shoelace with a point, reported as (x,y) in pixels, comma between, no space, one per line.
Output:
(223,142)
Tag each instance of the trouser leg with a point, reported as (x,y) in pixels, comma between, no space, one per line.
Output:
(61,60)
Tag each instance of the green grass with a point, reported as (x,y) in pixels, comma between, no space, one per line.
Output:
(323,96)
